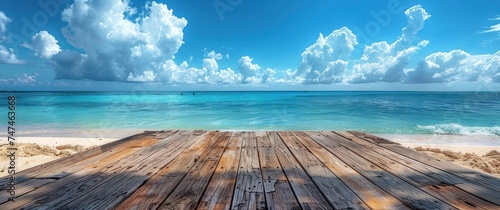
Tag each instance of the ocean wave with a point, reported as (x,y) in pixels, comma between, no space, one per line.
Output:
(453,128)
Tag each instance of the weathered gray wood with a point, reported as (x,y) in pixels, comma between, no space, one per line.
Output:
(476,183)
(372,195)
(306,192)
(279,194)
(249,189)
(408,194)
(25,187)
(459,198)
(188,193)
(220,190)
(334,190)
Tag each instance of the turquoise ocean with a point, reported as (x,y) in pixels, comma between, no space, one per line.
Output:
(465,113)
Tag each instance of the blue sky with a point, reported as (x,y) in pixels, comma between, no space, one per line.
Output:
(241,45)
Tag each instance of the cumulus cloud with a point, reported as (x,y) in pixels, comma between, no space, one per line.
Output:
(130,48)
(384,62)
(44,45)
(139,45)
(209,73)
(456,66)
(416,18)
(248,70)
(7,55)
(334,48)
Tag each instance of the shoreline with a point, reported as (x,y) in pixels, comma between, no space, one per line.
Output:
(36,150)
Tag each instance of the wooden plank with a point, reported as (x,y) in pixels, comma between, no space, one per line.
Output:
(279,194)
(481,179)
(459,198)
(306,192)
(392,166)
(41,193)
(24,188)
(188,193)
(372,195)
(249,189)
(69,160)
(129,176)
(220,190)
(408,194)
(476,183)
(397,159)
(152,194)
(408,175)
(334,190)
(111,184)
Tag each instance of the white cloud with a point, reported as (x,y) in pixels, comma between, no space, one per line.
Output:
(495,27)
(331,74)
(135,50)
(142,48)
(44,45)
(456,66)
(4,20)
(416,18)
(24,79)
(268,75)
(248,70)
(209,72)
(383,62)
(7,55)
(213,54)
(336,47)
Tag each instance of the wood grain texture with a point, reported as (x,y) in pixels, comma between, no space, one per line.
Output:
(128,174)
(279,194)
(249,189)
(66,186)
(306,192)
(152,194)
(476,183)
(220,190)
(188,193)
(252,170)
(372,195)
(334,190)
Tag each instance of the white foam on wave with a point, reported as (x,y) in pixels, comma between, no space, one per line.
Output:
(453,128)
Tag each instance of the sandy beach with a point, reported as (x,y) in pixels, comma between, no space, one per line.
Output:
(481,153)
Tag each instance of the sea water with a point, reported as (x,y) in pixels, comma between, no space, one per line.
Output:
(466,113)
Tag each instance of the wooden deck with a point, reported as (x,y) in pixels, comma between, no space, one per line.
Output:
(251,170)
